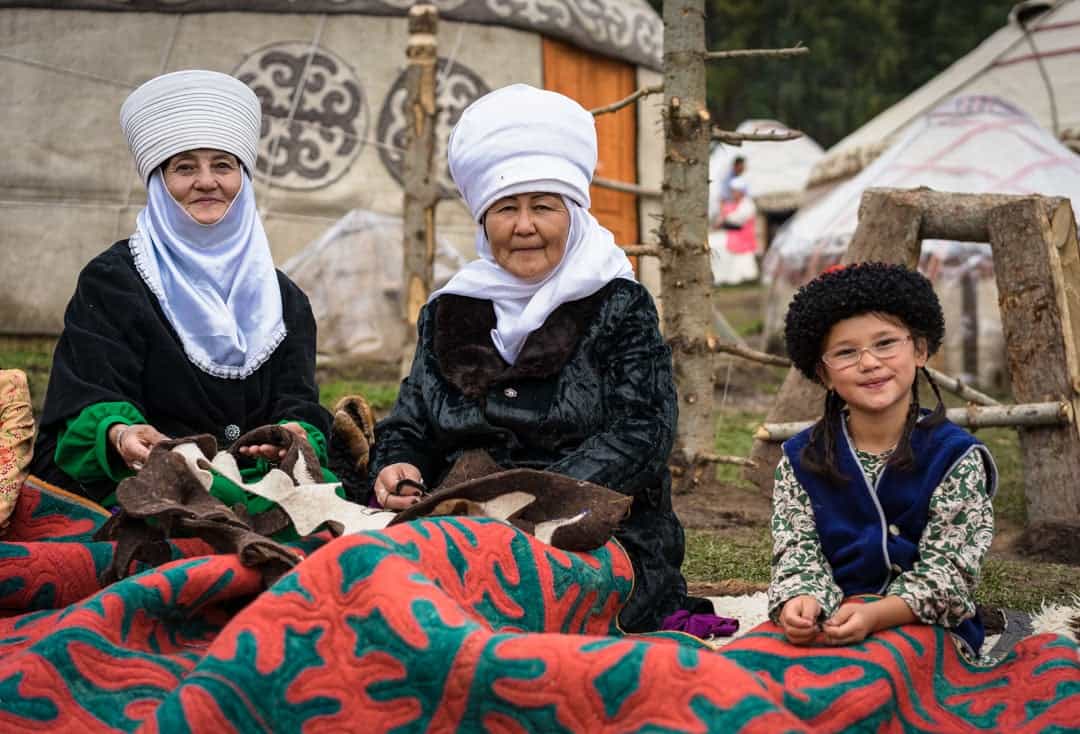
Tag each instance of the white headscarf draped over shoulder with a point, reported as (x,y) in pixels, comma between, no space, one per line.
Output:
(216,283)
(517,140)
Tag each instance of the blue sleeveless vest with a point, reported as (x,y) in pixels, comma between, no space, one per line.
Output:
(870,534)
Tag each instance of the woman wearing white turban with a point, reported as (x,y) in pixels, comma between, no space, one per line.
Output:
(186,327)
(544,352)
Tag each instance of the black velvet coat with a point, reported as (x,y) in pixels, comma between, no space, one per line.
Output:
(118,346)
(591,396)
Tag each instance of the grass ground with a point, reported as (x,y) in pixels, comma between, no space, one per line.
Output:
(733,542)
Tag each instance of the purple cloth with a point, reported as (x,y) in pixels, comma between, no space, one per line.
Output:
(700,625)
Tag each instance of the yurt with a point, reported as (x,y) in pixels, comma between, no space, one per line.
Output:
(776,172)
(968,144)
(1033,61)
(330,77)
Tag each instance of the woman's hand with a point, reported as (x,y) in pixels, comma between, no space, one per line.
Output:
(133,443)
(269,451)
(387,482)
(798,619)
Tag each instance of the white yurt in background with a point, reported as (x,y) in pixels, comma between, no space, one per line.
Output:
(1033,61)
(330,77)
(776,172)
(352,276)
(969,144)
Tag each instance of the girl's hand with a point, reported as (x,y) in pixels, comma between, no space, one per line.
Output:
(269,451)
(387,481)
(852,623)
(133,443)
(798,619)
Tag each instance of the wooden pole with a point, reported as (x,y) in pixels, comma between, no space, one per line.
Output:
(974,416)
(1037,266)
(419,179)
(685,275)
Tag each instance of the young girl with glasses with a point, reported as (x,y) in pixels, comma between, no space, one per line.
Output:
(879,497)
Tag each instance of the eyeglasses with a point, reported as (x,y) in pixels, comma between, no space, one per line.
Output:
(843,358)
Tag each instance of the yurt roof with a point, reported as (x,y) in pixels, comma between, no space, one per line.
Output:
(969,144)
(1006,65)
(776,172)
(629,30)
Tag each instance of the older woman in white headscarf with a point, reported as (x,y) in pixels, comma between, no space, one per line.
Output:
(185,327)
(544,352)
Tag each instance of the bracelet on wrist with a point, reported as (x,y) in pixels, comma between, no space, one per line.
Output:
(119,438)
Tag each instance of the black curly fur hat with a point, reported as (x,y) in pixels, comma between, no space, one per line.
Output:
(843,292)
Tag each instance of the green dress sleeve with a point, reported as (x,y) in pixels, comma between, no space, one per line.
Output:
(82,446)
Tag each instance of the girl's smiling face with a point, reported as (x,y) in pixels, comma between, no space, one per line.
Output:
(886,359)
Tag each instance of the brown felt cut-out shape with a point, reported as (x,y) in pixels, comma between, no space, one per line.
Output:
(169,498)
(567,513)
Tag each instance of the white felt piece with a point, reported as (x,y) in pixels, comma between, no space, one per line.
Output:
(225,464)
(192,455)
(544,530)
(505,505)
(310,505)
(302,473)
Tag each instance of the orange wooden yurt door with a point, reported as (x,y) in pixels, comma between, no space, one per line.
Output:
(595,81)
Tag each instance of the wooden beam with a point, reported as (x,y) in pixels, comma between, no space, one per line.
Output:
(628,100)
(948,216)
(735,138)
(960,388)
(419,179)
(641,250)
(974,416)
(1037,266)
(742,53)
(643,191)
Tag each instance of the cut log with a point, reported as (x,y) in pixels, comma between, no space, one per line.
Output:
(974,416)
(419,178)
(685,275)
(1037,266)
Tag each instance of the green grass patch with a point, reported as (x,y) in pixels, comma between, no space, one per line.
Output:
(32,355)
(735,437)
(380,395)
(1026,585)
(1009,502)
(743,554)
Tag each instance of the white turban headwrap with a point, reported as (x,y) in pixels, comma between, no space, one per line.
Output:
(191,109)
(216,283)
(518,140)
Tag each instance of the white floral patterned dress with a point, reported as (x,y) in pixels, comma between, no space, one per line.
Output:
(939,588)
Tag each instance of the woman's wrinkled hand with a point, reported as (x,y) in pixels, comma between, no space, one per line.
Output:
(387,482)
(269,451)
(799,619)
(133,442)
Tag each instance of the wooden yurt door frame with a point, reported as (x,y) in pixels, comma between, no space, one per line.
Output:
(594,81)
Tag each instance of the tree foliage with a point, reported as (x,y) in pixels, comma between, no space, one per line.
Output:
(865,56)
